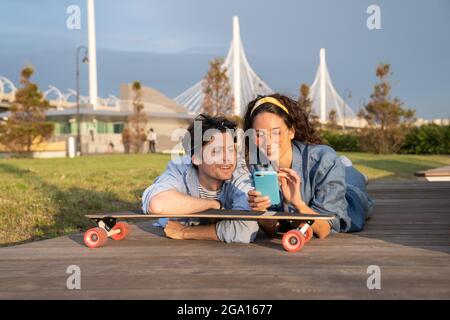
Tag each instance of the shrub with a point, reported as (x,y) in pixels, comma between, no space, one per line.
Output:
(375,140)
(341,141)
(428,139)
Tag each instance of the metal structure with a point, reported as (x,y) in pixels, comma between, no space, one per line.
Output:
(244,82)
(326,99)
(93,92)
(8,96)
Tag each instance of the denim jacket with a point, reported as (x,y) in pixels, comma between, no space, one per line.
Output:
(181,175)
(323,185)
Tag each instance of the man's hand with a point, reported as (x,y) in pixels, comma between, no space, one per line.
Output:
(174,230)
(178,231)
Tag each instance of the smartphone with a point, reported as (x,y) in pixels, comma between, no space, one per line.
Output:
(266,182)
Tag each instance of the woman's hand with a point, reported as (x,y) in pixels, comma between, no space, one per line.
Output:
(290,186)
(258,202)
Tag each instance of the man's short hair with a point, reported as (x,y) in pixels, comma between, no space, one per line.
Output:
(220,123)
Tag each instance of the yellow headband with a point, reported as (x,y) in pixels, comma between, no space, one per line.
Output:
(271,100)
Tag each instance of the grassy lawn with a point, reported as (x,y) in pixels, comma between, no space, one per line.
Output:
(395,167)
(44,198)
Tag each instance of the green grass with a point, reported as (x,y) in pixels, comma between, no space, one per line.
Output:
(45,198)
(394,166)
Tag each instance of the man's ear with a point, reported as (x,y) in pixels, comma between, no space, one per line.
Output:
(195,160)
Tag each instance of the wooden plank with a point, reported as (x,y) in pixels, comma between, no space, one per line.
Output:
(437,172)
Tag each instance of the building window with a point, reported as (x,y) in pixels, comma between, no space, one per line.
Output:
(102,127)
(63,128)
(118,127)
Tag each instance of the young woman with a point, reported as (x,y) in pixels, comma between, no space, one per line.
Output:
(313,178)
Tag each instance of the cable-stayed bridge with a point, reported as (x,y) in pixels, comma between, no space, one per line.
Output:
(244,82)
(246,85)
(325,98)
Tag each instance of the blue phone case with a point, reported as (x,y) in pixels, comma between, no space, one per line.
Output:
(266,182)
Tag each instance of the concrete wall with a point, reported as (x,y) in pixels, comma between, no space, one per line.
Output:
(94,142)
(164,129)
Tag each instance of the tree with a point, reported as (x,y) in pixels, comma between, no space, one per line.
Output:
(133,135)
(305,104)
(26,126)
(332,120)
(388,122)
(217,91)
(126,139)
(304,101)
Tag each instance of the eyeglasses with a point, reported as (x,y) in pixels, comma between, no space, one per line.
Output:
(275,133)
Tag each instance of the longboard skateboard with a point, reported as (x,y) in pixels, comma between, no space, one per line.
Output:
(108,226)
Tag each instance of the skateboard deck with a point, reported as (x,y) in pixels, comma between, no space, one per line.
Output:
(215,214)
(292,241)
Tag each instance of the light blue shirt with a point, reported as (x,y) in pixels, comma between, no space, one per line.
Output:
(324,187)
(180,175)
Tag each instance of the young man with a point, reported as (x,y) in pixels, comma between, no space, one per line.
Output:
(207,178)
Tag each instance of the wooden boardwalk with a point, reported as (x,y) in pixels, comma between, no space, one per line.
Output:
(437,174)
(408,237)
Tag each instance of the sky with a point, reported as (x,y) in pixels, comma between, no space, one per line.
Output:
(167,44)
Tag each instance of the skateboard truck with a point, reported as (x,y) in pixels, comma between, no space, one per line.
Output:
(107,227)
(106,223)
(303,228)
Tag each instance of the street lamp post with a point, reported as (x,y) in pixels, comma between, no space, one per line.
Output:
(362,104)
(85,60)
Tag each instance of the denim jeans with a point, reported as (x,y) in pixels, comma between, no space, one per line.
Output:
(359,203)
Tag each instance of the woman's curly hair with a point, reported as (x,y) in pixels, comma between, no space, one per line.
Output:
(297,118)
